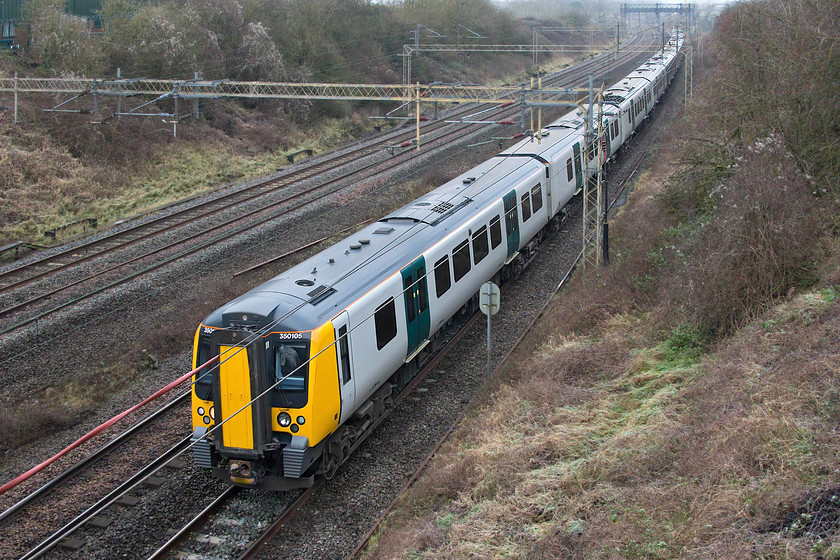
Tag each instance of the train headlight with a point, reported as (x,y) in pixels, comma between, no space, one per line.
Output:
(206,419)
(301,420)
(200,411)
(284,419)
(294,428)
(213,412)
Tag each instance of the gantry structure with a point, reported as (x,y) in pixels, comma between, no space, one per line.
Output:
(687,10)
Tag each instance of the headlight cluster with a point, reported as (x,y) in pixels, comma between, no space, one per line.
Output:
(285,421)
(205,418)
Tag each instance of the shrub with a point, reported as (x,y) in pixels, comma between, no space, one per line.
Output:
(761,242)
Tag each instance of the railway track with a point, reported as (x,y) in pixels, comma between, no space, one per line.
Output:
(103,453)
(118,493)
(21,307)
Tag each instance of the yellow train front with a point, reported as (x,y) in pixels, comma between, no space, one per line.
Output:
(262,412)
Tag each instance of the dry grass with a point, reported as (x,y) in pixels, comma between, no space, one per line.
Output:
(597,447)
(58,171)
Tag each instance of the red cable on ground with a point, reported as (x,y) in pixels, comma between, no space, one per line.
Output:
(99,429)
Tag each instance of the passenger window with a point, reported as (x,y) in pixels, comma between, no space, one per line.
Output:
(569,173)
(422,297)
(480,246)
(536,198)
(495,232)
(386,323)
(344,353)
(577,164)
(526,207)
(461,259)
(442,279)
(408,291)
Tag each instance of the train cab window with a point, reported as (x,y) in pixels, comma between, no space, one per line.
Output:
(408,288)
(480,246)
(290,367)
(204,377)
(422,296)
(461,259)
(569,173)
(495,232)
(386,323)
(536,198)
(344,353)
(442,279)
(526,207)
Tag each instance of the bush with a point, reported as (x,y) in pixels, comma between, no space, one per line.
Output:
(761,242)
(62,41)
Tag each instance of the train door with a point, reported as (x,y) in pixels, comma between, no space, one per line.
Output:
(416,296)
(240,379)
(346,379)
(578,173)
(511,223)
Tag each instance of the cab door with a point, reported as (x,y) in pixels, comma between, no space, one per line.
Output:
(238,383)
(346,379)
(416,297)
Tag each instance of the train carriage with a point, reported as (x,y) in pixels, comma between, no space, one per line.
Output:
(300,369)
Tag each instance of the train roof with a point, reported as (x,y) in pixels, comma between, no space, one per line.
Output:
(312,292)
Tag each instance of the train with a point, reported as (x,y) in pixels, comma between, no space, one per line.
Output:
(292,375)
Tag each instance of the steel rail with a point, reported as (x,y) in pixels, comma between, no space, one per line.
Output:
(51,541)
(196,522)
(280,522)
(109,447)
(233,199)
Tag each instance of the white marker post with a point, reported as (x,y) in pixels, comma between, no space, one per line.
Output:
(489,300)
